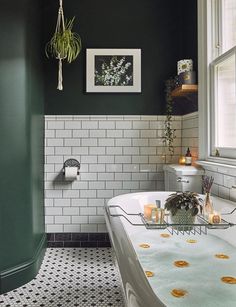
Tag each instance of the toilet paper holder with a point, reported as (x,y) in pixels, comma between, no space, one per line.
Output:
(71,163)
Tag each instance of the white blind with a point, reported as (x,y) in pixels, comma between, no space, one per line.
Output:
(225,103)
(228,24)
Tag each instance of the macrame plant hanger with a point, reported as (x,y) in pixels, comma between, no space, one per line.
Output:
(60,27)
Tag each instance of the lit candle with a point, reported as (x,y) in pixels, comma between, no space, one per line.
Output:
(182,160)
(148,211)
(214,218)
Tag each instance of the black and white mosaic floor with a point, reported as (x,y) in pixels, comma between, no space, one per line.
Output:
(71,277)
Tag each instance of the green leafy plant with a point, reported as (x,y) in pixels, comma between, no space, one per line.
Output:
(184,200)
(64,44)
(169,132)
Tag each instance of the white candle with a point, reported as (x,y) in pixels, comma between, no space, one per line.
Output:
(214,218)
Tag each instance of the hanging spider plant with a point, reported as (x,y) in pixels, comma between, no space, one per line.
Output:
(65,44)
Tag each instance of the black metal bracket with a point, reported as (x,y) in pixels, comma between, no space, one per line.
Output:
(71,163)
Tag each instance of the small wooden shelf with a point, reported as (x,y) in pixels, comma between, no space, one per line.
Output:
(184,90)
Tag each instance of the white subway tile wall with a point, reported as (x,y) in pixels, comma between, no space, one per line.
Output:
(190,134)
(224,181)
(224,178)
(118,154)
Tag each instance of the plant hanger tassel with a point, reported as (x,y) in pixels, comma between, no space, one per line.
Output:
(60,27)
(60,77)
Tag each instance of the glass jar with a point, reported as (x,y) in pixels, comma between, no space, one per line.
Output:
(208,206)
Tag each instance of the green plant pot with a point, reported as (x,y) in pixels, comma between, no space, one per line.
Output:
(183,217)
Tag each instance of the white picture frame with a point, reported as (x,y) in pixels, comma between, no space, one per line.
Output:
(113,70)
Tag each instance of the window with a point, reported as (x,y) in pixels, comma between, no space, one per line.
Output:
(228,17)
(222,75)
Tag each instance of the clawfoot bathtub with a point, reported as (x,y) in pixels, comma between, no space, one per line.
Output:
(140,252)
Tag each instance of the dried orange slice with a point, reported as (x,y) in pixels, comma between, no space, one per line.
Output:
(191,241)
(222,256)
(179,292)
(181,263)
(144,245)
(165,235)
(228,280)
(149,273)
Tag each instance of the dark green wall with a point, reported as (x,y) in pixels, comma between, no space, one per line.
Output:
(188,50)
(21,136)
(161,28)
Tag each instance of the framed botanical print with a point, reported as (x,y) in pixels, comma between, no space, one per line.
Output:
(113,71)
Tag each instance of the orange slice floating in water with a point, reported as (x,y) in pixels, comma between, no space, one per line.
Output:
(144,245)
(179,292)
(181,263)
(165,235)
(228,280)
(191,241)
(222,256)
(149,273)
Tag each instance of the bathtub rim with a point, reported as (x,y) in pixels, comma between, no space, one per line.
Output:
(153,297)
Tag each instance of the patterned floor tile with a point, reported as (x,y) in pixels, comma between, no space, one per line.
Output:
(70,277)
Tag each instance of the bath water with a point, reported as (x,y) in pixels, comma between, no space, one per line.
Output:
(201,279)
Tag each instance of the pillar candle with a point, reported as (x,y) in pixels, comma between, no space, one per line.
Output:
(214,218)
(182,160)
(148,211)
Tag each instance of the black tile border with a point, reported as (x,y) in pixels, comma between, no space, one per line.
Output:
(81,239)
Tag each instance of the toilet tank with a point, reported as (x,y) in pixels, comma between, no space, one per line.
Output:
(183,178)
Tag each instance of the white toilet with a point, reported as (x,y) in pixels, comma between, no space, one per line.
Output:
(183,178)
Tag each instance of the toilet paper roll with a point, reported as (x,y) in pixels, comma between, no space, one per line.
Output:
(71,173)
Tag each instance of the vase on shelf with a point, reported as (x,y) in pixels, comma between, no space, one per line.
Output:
(208,206)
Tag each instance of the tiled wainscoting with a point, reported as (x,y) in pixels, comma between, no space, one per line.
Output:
(224,181)
(190,134)
(224,178)
(118,154)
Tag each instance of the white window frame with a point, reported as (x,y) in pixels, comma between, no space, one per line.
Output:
(224,151)
(209,35)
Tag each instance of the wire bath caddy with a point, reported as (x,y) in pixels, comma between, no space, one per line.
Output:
(201,225)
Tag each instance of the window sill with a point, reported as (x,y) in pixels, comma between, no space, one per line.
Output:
(225,166)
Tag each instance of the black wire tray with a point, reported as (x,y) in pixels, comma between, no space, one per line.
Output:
(199,227)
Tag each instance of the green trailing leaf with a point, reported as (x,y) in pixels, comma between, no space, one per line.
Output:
(64,44)
(194,211)
(169,132)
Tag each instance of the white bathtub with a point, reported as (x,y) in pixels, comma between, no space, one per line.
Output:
(202,279)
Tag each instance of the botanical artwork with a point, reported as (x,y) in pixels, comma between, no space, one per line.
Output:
(113,70)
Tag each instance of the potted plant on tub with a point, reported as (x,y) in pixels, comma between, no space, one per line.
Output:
(183,208)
